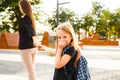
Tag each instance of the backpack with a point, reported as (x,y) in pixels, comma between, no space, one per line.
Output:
(82,71)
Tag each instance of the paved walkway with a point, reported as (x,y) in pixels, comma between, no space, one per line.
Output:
(104,64)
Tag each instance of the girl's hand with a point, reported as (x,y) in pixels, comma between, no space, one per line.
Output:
(61,44)
(42,47)
(48,49)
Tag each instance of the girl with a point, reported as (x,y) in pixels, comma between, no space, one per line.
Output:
(27,38)
(67,52)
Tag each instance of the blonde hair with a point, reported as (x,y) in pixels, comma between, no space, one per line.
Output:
(27,10)
(67,27)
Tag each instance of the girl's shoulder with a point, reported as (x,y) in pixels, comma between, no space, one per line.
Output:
(69,47)
(69,50)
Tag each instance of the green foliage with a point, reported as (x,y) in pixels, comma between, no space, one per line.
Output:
(65,15)
(10,14)
(98,20)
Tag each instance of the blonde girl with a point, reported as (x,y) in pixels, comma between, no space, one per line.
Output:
(67,52)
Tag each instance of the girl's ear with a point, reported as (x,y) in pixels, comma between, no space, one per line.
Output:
(71,41)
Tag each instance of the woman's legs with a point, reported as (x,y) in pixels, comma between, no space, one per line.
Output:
(34,56)
(28,58)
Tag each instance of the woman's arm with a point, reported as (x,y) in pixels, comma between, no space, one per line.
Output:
(35,41)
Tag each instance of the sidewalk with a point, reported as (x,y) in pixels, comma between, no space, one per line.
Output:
(104,64)
(11,67)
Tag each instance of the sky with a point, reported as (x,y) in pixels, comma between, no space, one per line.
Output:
(79,6)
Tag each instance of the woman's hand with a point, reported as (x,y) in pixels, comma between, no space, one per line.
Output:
(35,41)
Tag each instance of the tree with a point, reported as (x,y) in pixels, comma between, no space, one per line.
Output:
(116,23)
(96,13)
(106,19)
(64,16)
(10,14)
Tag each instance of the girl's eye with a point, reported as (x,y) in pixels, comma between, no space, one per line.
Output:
(65,36)
(59,37)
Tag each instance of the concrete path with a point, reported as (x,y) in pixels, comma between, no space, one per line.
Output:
(103,62)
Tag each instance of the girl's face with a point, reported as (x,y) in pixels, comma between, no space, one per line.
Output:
(63,37)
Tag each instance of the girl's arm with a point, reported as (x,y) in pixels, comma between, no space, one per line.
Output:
(37,43)
(60,61)
(48,49)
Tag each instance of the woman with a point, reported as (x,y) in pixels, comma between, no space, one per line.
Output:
(27,38)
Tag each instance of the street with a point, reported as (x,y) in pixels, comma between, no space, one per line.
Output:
(103,62)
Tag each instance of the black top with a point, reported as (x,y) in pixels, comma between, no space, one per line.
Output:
(26,32)
(59,74)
